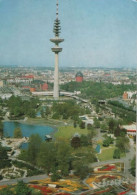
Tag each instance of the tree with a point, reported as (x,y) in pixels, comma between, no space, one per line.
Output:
(123,144)
(47,156)
(75,124)
(17,111)
(111,125)
(6,191)
(19,107)
(97,109)
(89,126)
(108,140)
(116,154)
(134,138)
(1,128)
(82,125)
(133,167)
(67,110)
(23,155)
(47,112)
(96,123)
(22,188)
(55,175)
(75,142)
(17,132)
(106,143)
(65,116)
(1,177)
(104,126)
(81,169)
(84,140)
(123,132)
(63,158)
(34,148)
(3,153)
(31,113)
(4,162)
(42,113)
(92,133)
(55,116)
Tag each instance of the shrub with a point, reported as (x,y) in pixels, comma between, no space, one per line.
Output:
(1,177)
(116,154)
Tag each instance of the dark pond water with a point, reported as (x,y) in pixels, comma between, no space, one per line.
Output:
(27,130)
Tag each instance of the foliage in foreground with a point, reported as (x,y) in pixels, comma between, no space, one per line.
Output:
(20,189)
(56,156)
(133,167)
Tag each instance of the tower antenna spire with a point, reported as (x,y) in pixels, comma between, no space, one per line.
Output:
(57,9)
(56,49)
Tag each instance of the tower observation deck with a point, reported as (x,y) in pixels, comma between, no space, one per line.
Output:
(56,49)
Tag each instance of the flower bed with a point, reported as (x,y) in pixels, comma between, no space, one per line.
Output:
(107,168)
(115,167)
(63,194)
(44,190)
(1,187)
(106,177)
(99,178)
(64,185)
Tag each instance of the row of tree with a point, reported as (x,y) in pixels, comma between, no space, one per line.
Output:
(127,114)
(19,108)
(91,89)
(4,161)
(67,110)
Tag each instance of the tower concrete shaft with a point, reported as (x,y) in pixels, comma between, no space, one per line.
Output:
(56,78)
(56,50)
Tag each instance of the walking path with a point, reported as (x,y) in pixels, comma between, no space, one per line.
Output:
(26,180)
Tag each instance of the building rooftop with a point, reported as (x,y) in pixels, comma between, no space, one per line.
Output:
(79,74)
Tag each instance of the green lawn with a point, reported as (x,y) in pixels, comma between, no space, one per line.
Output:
(107,154)
(66,132)
(43,121)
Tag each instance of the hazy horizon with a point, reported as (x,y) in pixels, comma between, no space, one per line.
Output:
(97,33)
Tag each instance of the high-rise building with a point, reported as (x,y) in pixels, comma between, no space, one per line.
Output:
(56,50)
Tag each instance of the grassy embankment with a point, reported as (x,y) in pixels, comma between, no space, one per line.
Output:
(67,132)
(43,121)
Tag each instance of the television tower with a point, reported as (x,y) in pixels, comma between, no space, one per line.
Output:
(56,50)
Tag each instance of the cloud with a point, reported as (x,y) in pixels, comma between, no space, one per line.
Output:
(135,1)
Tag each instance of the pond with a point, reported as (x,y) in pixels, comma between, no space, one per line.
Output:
(27,129)
(98,148)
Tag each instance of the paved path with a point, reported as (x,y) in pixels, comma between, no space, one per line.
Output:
(96,164)
(26,180)
(126,160)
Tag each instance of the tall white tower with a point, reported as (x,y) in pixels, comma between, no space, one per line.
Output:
(56,50)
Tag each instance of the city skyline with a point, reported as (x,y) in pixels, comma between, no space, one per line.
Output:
(97,33)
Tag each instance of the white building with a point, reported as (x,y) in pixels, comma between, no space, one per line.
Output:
(131,129)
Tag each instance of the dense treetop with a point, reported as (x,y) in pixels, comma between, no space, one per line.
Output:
(98,90)
(19,107)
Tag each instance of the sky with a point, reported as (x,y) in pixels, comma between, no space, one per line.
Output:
(97,33)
